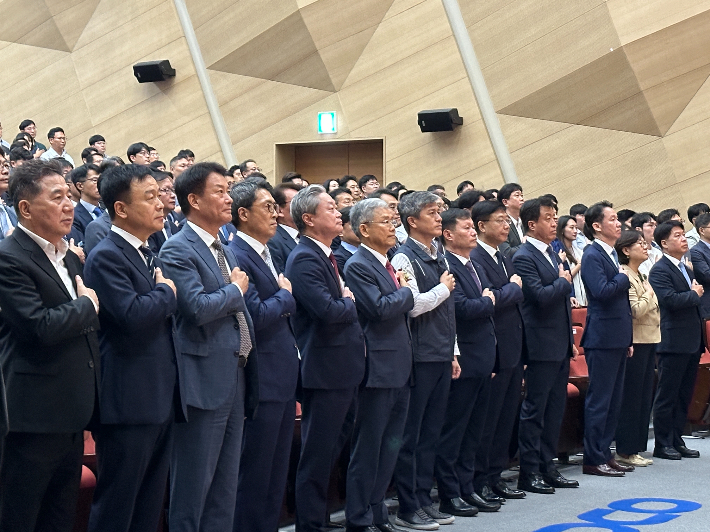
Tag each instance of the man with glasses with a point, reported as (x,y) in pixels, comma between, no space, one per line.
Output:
(8,220)
(511,195)
(368,184)
(286,237)
(390,198)
(57,143)
(166,193)
(267,440)
(645,223)
(139,153)
(248,167)
(350,182)
(29,127)
(85,179)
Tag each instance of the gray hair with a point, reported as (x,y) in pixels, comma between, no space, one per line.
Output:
(413,204)
(305,202)
(243,194)
(364,211)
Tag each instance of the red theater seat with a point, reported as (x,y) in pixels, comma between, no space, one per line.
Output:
(86,493)
(579,316)
(577,332)
(572,390)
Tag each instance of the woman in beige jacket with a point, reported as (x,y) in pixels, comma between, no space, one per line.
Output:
(632,430)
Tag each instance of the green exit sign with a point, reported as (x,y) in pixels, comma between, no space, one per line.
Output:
(328,122)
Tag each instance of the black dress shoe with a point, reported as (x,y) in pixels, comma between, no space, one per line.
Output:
(332,524)
(601,470)
(534,483)
(484,506)
(556,480)
(487,494)
(687,453)
(667,453)
(371,528)
(620,467)
(458,507)
(388,527)
(501,489)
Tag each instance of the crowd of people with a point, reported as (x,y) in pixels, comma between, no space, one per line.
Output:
(180,311)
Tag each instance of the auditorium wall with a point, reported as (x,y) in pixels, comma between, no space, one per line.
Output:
(596,99)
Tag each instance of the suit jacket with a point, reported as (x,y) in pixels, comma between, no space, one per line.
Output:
(475,332)
(382,309)
(681,326)
(341,257)
(11,216)
(208,332)
(644,310)
(49,350)
(227,231)
(270,308)
(609,324)
(326,324)
(95,232)
(700,257)
(280,246)
(547,311)
(507,318)
(138,351)
(82,218)
(511,246)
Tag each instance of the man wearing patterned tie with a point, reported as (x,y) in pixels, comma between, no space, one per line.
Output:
(85,179)
(216,344)
(332,349)
(8,220)
(138,352)
(267,439)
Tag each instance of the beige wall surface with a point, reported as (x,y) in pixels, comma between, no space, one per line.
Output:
(596,98)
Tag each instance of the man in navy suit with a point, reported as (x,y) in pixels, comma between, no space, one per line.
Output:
(468,396)
(383,299)
(332,348)
(267,438)
(349,242)
(166,193)
(216,348)
(286,237)
(490,221)
(679,296)
(8,219)
(606,340)
(547,319)
(85,179)
(700,257)
(134,439)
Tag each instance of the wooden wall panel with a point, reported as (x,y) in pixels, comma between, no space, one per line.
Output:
(366,158)
(320,162)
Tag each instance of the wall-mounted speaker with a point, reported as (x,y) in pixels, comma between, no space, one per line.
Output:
(153,71)
(439,120)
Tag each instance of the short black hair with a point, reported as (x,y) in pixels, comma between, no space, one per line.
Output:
(340,190)
(346,179)
(577,209)
(288,177)
(507,190)
(345,214)
(86,152)
(193,180)
(640,218)
(469,198)
(462,185)
(176,159)
(258,175)
(665,215)
(93,139)
(551,196)
(186,153)
(160,176)
(626,240)
(116,184)
(155,165)
(280,196)
(243,164)
(432,188)
(530,211)
(54,131)
(379,193)
(450,216)
(594,214)
(243,194)
(491,194)
(135,148)
(696,210)
(78,175)
(702,220)
(664,229)
(20,154)
(624,215)
(109,162)
(26,123)
(483,210)
(364,179)
(25,180)
(230,170)
(63,163)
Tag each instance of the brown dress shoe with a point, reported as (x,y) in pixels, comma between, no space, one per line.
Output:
(620,467)
(601,470)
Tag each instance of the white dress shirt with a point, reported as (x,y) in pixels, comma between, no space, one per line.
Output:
(607,248)
(51,154)
(293,233)
(133,240)
(492,252)
(518,224)
(349,247)
(542,247)
(89,207)
(379,256)
(208,239)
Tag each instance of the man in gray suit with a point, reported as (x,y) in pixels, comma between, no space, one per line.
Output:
(219,365)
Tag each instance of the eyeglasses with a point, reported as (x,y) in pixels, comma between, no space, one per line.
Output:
(499,221)
(60,138)
(392,222)
(92,179)
(6,166)
(270,207)
(168,191)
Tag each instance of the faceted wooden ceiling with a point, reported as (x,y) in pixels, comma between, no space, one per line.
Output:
(316,45)
(55,24)
(640,87)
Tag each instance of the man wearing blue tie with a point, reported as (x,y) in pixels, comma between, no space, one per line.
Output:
(85,179)
(681,341)
(606,340)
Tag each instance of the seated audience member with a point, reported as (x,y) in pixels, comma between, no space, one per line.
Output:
(154,155)
(351,183)
(383,300)
(157,166)
(700,258)
(439,190)
(166,194)
(368,184)
(390,198)
(189,155)
(85,179)
(632,429)
(286,237)
(267,440)
(248,167)
(50,356)
(349,241)
(645,223)
(342,196)
(467,402)
(57,142)
(490,221)
(511,195)
(135,435)
(87,156)
(8,219)
(18,156)
(29,127)
(293,177)
(464,186)
(624,216)
(694,211)
(235,173)
(138,153)
(98,142)
(571,255)
(577,211)
(667,215)
(469,198)
(111,161)
(178,165)
(491,194)
(330,185)
(332,349)
(681,341)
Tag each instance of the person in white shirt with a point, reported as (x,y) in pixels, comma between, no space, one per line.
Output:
(694,211)
(645,223)
(57,142)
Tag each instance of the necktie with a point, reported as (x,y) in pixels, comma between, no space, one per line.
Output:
(97,212)
(681,265)
(390,270)
(499,260)
(615,256)
(149,259)
(168,228)
(473,273)
(551,253)
(266,255)
(245,344)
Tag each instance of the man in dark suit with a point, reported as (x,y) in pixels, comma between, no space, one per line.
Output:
(606,340)
(433,324)
(490,221)
(349,242)
(511,196)
(96,231)
(49,355)
(134,439)
(267,438)
(8,219)
(332,350)
(468,396)
(679,296)
(383,300)
(547,318)
(219,365)
(85,179)
(700,257)
(166,194)
(286,237)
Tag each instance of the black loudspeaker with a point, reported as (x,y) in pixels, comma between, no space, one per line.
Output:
(439,120)
(153,71)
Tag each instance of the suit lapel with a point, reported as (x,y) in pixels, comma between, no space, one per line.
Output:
(255,258)
(605,254)
(483,255)
(132,254)
(204,252)
(377,265)
(40,258)
(543,260)
(311,244)
(463,272)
